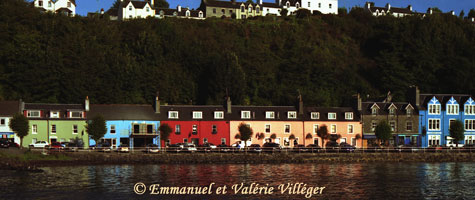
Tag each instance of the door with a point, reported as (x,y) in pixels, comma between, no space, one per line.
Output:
(195,141)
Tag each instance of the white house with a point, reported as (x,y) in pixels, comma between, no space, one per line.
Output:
(7,110)
(323,6)
(67,7)
(136,9)
(179,12)
(388,9)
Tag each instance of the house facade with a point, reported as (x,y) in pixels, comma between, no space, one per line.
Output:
(389,10)
(135,9)
(230,9)
(56,123)
(7,110)
(67,7)
(179,12)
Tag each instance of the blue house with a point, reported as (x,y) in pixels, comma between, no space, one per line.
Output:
(438,111)
(133,124)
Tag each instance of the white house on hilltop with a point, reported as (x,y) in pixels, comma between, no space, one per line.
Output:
(323,6)
(67,7)
(136,9)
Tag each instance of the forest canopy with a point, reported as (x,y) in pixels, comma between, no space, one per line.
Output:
(53,58)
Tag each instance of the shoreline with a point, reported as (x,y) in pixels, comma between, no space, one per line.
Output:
(33,161)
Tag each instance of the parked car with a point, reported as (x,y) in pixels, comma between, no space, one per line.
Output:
(314,148)
(271,147)
(255,148)
(103,147)
(40,144)
(56,146)
(175,147)
(123,148)
(4,144)
(206,147)
(345,147)
(332,146)
(189,147)
(152,148)
(73,147)
(224,148)
(299,148)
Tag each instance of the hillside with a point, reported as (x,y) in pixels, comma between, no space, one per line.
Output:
(261,61)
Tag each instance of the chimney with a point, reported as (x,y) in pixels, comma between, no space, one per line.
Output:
(157,104)
(300,104)
(102,11)
(429,10)
(259,2)
(86,104)
(368,5)
(278,2)
(21,105)
(414,95)
(388,6)
(409,7)
(389,97)
(473,19)
(178,8)
(358,102)
(452,12)
(228,105)
(152,2)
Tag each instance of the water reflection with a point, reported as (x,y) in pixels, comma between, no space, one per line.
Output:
(342,181)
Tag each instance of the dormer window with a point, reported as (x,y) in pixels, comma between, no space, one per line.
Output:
(434,109)
(469,109)
(161,13)
(245,114)
(409,112)
(174,13)
(242,8)
(49,4)
(331,115)
(292,115)
(258,10)
(374,111)
(197,115)
(172,114)
(54,114)
(187,13)
(453,109)
(349,115)
(200,14)
(69,4)
(218,114)
(392,111)
(315,115)
(297,5)
(270,115)
(33,113)
(130,8)
(250,8)
(287,4)
(147,9)
(75,114)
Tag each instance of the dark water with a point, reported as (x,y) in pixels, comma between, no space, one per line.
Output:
(341,181)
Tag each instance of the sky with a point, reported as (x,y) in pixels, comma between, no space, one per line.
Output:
(85,6)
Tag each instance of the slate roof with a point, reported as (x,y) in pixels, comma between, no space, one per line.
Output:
(64,10)
(340,113)
(61,108)
(136,4)
(9,108)
(384,108)
(443,99)
(170,11)
(393,9)
(222,4)
(123,112)
(270,5)
(185,112)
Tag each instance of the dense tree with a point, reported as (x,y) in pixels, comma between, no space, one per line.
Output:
(19,124)
(383,131)
(456,130)
(245,133)
(165,131)
(322,132)
(471,13)
(96,128)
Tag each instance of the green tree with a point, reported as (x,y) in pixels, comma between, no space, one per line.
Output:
(471,13)
(322,132)
(284,12)
(20,125)
(303,13)
(96,128)
(245,132)
(457,131)
(162,4)
(383,131)
(462,14)
(165,131)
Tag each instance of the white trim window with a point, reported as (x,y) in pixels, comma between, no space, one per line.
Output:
(292,115)
(333,128)
(469,110)
(373,126)
(54,114)
(223,140)
(374,111)
(315,128)
(470,124)
(197,115)
(194,129)
(270,115)
(434,109)
(3,122)
(392,111)
(287,128)
(315,115)
(408,125)
(409,112)
(218,114)
(453,109)
(331,115)
(75,129)
(434,124)
(53,128)
(177,129)
(267,127)
(76,114)
(392,124)
(469,139)
(434,140)
(33,113)
(112,129)
(245,114)
(350,129)
(172,114)
(349,115)
(34,129)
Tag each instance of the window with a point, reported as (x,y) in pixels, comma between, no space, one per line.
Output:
(177,129)
(392,111)
(333,128)
(315,115)
(309,4)
(374,111)
(54,114)
(130,16)
(409,126)
(286,142)
(373,126)
(315,141)
(297,5)
(342,140)
(149,128)
(258,10)
(249,9)
(69,4)
(453,109)
(349,115)
(205,140)
(34,140)
(130,8)
(230,11)
(287,4)
(434,140)
(469,139)
(315,128)
(197,115)
(331,115)
(287,128)
(33,113)
(185,140)
(469,124)
(409,112)
(49,4)
(223,140)
(194,129)
(350,128)
(136,128)
(75,129)
(53,128)
(218,114)
(75,114)
(214,10)
(201,15)
(223,11)
(148,9)
(353,141)
(434,109)
(245,114)
(434,124)
(292,115)
(2,122)
(319,5)
(112,129)
(270,115)
(267,128)
(330,6)
(392,124)
(214,129)
(167,143)
(34,129)
(172,114)
(242,8)
(469,109)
